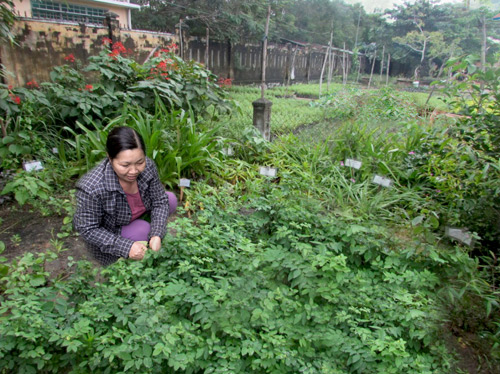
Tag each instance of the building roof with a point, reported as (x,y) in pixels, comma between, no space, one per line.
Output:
(118,3)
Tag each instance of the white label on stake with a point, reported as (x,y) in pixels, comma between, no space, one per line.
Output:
(267,171)
(352,163)
(33,165)
(184,182)
(384,182)
(228,151)
(461,235)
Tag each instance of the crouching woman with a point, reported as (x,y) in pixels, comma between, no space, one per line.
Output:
(114,196)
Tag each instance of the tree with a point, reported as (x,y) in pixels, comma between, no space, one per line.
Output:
(234,20)
(430,32)
(7,19)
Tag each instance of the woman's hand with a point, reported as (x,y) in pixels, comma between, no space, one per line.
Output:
(137,251)
(155,243)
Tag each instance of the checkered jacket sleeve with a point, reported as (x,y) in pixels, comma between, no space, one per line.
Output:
(87,222)
(159,207)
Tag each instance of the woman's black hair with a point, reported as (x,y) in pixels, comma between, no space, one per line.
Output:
(123,139)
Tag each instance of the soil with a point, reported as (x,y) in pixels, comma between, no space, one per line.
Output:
(24,230)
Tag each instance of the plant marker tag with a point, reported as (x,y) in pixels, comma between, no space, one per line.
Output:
(32,165)
(184,182)
(267,171)
(384,182)
(462,235)
(352,163)
(229,151)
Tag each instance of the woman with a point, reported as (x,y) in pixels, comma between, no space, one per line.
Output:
(112,197)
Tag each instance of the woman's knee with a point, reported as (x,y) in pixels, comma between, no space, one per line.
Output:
(137,230)
(172,202)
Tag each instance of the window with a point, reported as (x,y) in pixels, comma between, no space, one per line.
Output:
(67,12)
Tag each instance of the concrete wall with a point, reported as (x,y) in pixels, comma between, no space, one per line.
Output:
(43,45)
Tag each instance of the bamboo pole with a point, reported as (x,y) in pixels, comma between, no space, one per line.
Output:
(331,65)
(387,70)
(264,53)
(373,67)
(359,69)
(344,67)
(207,50)
(324,63)
(382,64)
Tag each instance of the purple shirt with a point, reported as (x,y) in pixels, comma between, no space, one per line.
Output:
(136,206)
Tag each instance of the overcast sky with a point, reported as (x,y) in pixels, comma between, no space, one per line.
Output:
(371,5)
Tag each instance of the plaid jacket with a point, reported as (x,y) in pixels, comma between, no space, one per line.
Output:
(102,210)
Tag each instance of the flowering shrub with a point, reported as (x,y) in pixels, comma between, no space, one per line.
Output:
(70,58)
(225,82)
(69,97)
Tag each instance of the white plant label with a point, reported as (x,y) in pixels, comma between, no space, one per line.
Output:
(33,165)
(352,163)
(267,171)
(229,151)
(461,235)
(55,150)
(384,182)
(184,182)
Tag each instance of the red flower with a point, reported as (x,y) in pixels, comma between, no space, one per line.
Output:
(162,65)
(119,47)
(106,41)
(10,87)
(70,58)
(15,99)
(89,87)
(225,82)
(32,84)
(113,54)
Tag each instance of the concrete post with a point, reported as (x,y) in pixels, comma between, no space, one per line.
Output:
(262,117)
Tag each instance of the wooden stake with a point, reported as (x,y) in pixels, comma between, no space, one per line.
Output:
(182,194)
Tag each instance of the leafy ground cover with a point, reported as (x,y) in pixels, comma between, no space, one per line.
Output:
(316,270)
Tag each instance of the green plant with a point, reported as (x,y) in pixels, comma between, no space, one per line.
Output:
(28,185)
(15,239)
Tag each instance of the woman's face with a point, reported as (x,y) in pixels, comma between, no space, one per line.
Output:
(129,164)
